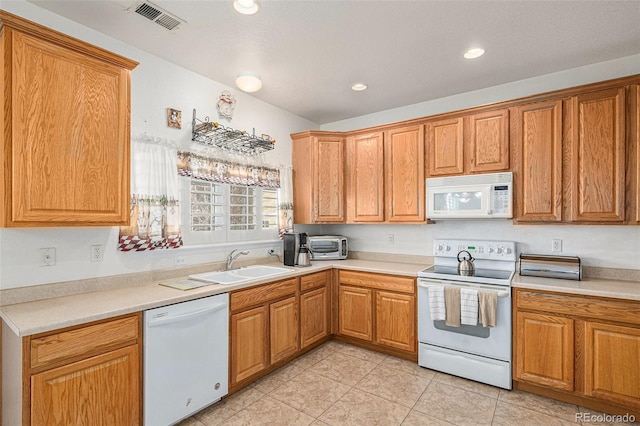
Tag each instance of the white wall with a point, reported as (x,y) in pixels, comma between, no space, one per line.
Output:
(600,246)
(155,85)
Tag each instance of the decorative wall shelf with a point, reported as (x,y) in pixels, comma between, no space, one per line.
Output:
(237,141)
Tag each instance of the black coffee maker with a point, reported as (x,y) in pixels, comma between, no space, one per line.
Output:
(292,243)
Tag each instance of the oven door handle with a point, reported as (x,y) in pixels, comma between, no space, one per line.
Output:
(478,287)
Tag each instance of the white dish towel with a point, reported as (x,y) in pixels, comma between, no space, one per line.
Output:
(468,306)
(436,302)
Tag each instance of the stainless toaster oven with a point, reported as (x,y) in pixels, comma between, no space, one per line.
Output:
(328,247)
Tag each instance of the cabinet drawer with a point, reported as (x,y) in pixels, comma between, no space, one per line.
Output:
(378,281)
(312,281)
(625,311)
(264,293)
(83,342)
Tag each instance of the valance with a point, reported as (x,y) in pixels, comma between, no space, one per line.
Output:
(215,170)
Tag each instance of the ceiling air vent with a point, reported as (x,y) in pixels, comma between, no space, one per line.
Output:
(158,15)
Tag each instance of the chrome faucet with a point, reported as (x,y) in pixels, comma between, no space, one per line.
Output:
(233,255)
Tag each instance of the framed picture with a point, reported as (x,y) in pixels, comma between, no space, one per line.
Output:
(174,118)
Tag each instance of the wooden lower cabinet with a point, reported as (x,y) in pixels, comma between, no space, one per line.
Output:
(283,329)
(314,314)
(102,390)
(355,312)
(549,335)
(249,343)
(90,374)
(395,320)
(612,363)
(379,311)
(581,349)
(271,323)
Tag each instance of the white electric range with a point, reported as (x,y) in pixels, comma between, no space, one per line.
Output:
(475,352)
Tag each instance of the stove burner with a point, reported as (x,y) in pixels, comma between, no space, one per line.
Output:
(452,271)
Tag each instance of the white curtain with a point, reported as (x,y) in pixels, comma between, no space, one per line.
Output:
(155,213)
(286,200)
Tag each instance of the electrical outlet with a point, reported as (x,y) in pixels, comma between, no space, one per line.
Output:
(556,245)
(271,252)
(180,260)
(390,238)
(97,253)
(48,256)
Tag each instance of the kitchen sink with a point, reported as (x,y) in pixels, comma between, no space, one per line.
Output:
(239,275)
(259,271)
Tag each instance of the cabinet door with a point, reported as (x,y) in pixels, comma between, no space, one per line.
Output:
(395,320)
(537,145)
(404,165)
(544,350)
(612,363)
(365,191)
(445,145)
(597,152)
(102,390)
(355,312)
(69,137)
(249,343)
(283,327)
(328,179)
(487,142)
(314,318)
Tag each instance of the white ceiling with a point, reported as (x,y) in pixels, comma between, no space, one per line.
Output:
(308,53)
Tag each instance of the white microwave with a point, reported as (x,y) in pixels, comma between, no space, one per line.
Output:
(484,196)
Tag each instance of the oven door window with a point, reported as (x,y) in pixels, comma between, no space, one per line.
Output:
(325,247)
(469,330)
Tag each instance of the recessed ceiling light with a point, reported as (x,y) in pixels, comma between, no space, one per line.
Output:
(476,52)
(246,7)
(359,87)
(248,82)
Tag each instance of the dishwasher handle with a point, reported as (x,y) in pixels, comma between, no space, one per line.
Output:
(185,317)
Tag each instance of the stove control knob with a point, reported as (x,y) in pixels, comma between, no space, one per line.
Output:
(508,250)
(448,247)
(440,247)
(499,250)
(490,250)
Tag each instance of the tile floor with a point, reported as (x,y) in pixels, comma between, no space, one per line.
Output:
(340,385)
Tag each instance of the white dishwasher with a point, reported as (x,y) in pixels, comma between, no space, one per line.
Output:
(186,358)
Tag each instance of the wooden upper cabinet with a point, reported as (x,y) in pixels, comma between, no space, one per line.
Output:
(596,138)
(487,142)
(445,147)
(66,122)
(365,180)
(477,143)
(318,177)
(633,158)
(536,137)
(404,168)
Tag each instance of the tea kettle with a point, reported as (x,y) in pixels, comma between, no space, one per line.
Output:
(465,266)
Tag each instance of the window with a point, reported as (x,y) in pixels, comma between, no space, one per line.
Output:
(218,213)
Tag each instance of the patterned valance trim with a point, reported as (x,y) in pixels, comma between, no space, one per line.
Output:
(214,170)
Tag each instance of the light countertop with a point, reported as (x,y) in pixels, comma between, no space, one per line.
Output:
(58,312)
(49,314)
(602,287)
